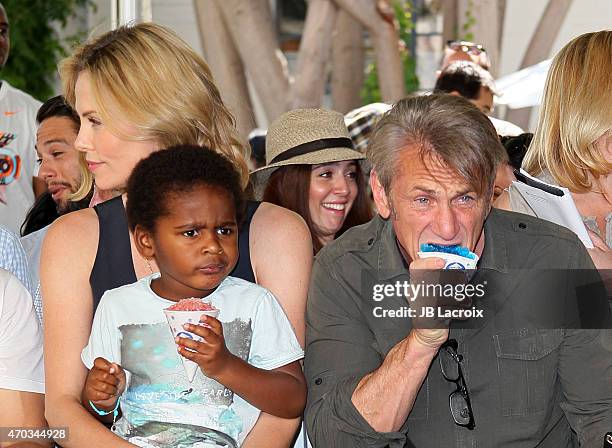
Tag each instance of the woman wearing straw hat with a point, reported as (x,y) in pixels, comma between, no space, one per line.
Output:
(312,169)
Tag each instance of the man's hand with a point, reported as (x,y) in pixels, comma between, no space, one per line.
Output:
(104,385)
(211,354)
(427,331)
(431,329)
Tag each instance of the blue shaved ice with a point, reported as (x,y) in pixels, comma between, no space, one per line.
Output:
(456,250)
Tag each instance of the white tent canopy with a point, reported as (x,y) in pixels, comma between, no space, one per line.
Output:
(523,88)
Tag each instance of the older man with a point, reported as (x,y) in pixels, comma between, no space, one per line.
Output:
(516,369)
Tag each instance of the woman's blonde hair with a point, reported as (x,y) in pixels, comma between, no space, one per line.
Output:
(86,181)
(576,110)
(150,77)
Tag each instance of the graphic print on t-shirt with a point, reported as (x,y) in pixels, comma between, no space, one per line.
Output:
(160,407)
(159,390)
(17,154)
(10,163)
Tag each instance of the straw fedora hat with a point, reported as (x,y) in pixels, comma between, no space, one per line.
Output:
(305,137)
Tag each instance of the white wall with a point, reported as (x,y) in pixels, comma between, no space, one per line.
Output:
(179,15)
(584,16)
(520,23)
(522,17)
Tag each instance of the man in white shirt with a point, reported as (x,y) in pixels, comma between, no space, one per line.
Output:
(21,360)
(17,140)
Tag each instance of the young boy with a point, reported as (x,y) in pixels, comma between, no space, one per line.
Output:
(182,209)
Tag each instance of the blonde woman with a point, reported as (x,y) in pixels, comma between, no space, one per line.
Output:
(572,145)
(137,90)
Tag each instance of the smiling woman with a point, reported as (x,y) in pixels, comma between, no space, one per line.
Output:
(313,170)
(333,190)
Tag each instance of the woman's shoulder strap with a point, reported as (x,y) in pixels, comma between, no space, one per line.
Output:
(113,266)
(244,268)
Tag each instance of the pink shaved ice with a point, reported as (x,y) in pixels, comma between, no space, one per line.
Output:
(192,305)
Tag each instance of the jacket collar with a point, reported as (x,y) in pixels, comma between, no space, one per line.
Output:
(495,252)
(391,264)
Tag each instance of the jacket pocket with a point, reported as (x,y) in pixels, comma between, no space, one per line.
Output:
(527,361)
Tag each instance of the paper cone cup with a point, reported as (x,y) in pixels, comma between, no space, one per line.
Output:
(452,261)
(176,320)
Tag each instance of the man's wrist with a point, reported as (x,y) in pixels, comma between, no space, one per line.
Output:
(425,345)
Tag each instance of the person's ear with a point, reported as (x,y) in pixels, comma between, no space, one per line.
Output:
(383,205)
(454,93)
(143,240)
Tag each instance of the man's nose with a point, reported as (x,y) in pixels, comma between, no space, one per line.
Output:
(446,224)
(46,170)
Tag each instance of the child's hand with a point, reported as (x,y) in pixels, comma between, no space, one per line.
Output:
(211,354)
(104,385)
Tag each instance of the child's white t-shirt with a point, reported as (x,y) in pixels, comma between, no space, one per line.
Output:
(130,329)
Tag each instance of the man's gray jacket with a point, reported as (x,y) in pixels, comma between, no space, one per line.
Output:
(532,371)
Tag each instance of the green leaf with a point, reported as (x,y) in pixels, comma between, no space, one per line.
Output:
(35,46)
(370,92)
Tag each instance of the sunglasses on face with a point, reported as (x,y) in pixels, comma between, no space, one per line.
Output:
(466,47)
(459,400)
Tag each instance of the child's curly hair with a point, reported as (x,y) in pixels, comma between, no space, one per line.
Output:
(177,170)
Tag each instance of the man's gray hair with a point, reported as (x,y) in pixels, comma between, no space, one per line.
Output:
(446,126)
